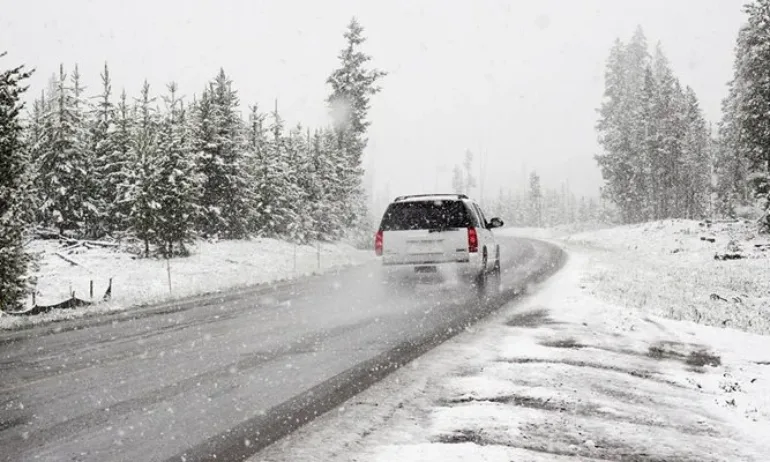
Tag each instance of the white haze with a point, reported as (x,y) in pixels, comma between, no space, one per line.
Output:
(517,82)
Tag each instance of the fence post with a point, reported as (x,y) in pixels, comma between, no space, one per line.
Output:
(168,272)
(92,289)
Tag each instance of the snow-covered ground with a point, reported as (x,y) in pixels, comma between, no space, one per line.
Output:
(668,268)
(581,369)
(211,267)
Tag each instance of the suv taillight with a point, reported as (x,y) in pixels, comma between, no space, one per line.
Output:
(378,243)
(473,240)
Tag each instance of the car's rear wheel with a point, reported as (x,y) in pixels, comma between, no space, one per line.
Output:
(481,279)
(488,283)
(495,280)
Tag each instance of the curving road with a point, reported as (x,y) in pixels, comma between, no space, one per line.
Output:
(220,377)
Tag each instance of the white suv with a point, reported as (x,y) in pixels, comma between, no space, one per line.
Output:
(439,233)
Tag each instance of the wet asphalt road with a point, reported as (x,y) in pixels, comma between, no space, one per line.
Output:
(219,377)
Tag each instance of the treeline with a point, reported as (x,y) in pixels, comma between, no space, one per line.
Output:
(548,207)
(657,146)
(165,169)
(743,156)
(662,160)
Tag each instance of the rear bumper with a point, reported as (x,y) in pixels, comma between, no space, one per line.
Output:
(468,265)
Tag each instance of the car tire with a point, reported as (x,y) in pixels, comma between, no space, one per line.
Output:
(481,279)
(495,280)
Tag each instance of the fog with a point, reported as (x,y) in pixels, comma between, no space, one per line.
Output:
(515,82)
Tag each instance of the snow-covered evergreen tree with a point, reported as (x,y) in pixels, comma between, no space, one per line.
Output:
(458,182)
(470,180)
(141,185)
(255,164)
(14,189)
(327,159)
(87,184)
(35,140)
(748,106)
(650,159)
(118,168)
(301,171)
(353,84)
(669,113)
(582,213)
(615,162)
(103,152)
(696,166)
(177,186)
(63,164)
(220,145)
(316,188)
(204,131)
(535,200)
(279,190)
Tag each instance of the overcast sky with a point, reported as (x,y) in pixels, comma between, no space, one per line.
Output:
(518,81)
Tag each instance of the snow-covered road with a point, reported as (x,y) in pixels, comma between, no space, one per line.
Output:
(560,375)
(223,375)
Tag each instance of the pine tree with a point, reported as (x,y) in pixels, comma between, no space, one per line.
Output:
(535,201)
(102,149)
(651,154)
(470,180)
(177,186)
(458,182)
(696,175)
(14,189)
(279,191)
(636,62)
(615,162)
(64,163)
(582,214)
(300,169)
(36,139)
(205,153)
(317,188)
(353,84)
(219,141)
(118,169)
(594,214)
(141,190)
(748,107)
(86,183)
(329,160)
(670,110)
(255,160)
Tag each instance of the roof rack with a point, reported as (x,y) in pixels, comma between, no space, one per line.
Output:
(400,198)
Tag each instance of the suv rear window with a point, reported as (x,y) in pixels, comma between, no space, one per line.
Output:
(402,216)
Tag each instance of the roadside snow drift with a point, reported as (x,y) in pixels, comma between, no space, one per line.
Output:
(211,267)
(675,269)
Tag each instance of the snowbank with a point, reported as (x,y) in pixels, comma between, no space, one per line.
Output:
(211,267)
(669,269)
